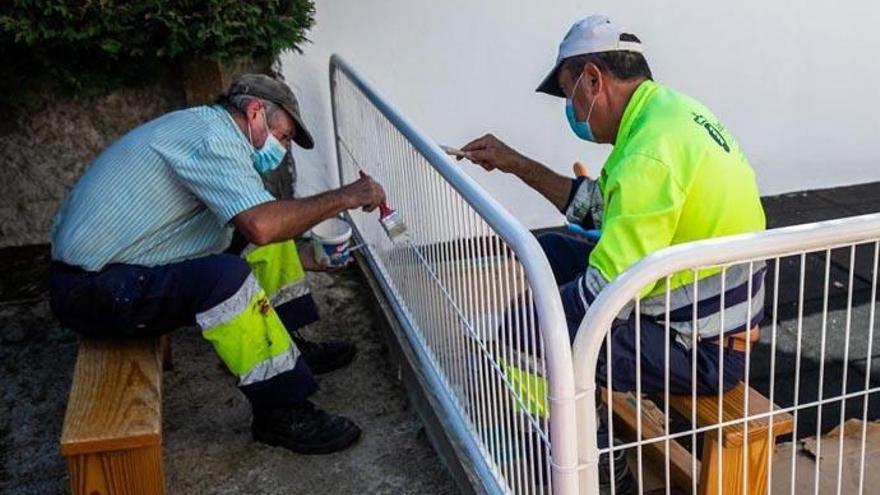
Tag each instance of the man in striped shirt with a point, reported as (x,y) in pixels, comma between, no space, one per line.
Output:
(143,244)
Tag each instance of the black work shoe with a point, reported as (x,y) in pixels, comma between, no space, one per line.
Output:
(624,482)
(327,356)
(304,429)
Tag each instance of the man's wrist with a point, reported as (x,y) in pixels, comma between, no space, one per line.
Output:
(521,166)
(344,200)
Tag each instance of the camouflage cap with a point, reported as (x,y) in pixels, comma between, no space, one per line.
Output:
(267,88)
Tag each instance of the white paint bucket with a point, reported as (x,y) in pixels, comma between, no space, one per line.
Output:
(331,241)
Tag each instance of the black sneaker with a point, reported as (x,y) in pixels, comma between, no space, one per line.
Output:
(304,429)
(327,356)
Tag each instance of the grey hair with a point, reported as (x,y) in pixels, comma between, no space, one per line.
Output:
(240,102)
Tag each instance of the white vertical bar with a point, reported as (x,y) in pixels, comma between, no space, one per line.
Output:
(530,351)
(476,323)
(479,390)
(453,253)
(797,369)
(533,332)
(720,430)
(694,341)
(822,371)
(869,358)
(747,413)
(666,344)
(638,313)
(533,325)
(441,268)
(520,318)
(528,326)
(609,370)
(460,255)
(849,297)
(509,336)
(770,435)
(498,395)
(438,246)
(503,397)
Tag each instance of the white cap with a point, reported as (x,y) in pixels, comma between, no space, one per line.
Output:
(593,34)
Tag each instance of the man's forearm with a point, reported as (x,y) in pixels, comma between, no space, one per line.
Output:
(285,219)
(553,186)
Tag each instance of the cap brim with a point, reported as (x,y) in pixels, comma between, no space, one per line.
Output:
(302,137)
(550,84)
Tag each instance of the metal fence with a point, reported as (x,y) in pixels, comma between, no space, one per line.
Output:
(799,390)
(474,293)
(789,343)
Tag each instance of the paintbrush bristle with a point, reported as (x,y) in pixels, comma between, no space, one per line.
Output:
(393,224)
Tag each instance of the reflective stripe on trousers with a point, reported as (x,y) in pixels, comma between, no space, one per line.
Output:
(248,335)
(279,271)
(245,329)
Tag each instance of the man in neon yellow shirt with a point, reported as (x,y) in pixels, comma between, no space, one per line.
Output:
(675,175)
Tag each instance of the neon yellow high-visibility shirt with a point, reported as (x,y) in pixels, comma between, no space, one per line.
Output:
(675,175)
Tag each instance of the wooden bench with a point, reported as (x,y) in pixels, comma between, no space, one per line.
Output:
(761,440)
(112,435)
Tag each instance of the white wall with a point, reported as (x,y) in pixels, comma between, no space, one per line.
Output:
(794,81)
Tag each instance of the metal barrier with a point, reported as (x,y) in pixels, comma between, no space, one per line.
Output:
(474,292)
(808,371)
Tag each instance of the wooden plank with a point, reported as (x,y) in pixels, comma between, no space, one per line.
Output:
(733,408)
(116,397)
(623,407)
(121,472)
(730,476)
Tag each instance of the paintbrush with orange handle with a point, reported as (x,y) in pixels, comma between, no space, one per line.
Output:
(390,219)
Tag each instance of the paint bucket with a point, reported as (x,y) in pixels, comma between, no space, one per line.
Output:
(331,241)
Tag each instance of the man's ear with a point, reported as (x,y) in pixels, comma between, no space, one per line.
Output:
(253,109)
(593,77)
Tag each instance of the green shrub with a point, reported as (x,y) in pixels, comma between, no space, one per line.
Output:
(86,47)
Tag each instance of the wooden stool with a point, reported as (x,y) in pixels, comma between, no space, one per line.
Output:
(112,435)
(761,440)
(759,444)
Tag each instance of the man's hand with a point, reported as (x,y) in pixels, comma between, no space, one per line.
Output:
(308,262)
(284,219)
(364,193)
(491,153)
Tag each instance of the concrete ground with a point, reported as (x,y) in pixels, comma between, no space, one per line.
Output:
(207,445)
(206,420)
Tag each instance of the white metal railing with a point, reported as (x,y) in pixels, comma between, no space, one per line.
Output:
(474,292)
(812,367)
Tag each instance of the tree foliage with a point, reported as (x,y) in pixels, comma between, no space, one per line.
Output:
(85,47)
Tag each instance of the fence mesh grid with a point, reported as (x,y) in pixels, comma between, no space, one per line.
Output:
(799,396)
(462,289)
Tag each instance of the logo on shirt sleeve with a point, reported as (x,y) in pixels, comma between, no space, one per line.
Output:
(714,131)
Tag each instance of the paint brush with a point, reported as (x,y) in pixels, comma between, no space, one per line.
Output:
(390,219)
(449,150)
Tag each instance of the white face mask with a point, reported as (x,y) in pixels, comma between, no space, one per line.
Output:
(268,157)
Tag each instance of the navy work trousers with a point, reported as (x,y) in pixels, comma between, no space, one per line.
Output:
(131,301)
(568,257)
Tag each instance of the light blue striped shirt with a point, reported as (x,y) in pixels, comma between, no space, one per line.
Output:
(164,192)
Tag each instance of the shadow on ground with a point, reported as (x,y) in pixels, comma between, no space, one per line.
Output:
(207,445)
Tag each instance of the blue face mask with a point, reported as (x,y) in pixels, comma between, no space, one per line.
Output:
(580,128)
(269,156)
